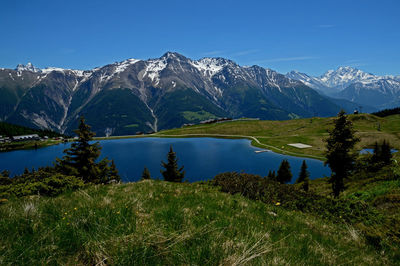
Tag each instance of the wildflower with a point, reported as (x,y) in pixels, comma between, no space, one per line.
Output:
(65,213)
(117,212)
(63,218)
(278,203)
(75,208)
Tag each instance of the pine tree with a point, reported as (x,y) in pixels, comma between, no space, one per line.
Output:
(113,175)
(386,153)
(304,176)
(340,142)
(172,173)
(382,154)
(146,174)
(80,159)
(271,175)
(376,154)
(284,174)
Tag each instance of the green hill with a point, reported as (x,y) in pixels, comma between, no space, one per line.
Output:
(155,222)
(275,135)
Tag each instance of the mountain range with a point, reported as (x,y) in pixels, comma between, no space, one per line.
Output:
(148,95)
(355,85)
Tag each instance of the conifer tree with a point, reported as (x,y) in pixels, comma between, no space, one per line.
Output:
(146,174)
(80,159)
(113,174)
(382,154)
(284,174)
(172,173)
(340,142)
(271,175)
(304,176)
(386,153)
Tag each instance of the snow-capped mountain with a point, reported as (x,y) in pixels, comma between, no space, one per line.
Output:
(355,85)
(27,67)
(149,95)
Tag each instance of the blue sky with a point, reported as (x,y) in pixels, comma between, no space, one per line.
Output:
(309,36)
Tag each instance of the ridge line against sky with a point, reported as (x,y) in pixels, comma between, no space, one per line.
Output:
(308,36)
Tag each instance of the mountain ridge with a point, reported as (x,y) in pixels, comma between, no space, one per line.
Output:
(355,85)
(162,91)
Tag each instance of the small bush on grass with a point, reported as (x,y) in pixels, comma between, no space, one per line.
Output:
(44,182)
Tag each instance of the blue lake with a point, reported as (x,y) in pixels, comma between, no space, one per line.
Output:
(202,158)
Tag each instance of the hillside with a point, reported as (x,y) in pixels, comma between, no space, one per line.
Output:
(154,222)
(7,129)
(275,135)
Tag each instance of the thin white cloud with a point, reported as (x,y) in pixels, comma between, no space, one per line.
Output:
(287,59)
(326,26)
(67,51)
(210,53)
(355,63)
(245,52)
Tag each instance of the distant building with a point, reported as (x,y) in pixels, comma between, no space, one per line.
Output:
(26,137)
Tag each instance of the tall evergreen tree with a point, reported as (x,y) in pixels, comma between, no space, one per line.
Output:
(284,174)
(146,174)
(340,142)
(386,153)
(172,173)
(382,154)
(80,159)
(271,175)
(113,174)
(304,176)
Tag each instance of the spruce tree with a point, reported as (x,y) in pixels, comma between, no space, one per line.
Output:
(340,143)
(146,174)
(80,159)
(284,174)
(382,154)
(172,173)
(113,174)
(304,176)
(386,153)
(271,175)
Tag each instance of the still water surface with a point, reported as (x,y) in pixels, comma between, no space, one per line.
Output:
(203,158)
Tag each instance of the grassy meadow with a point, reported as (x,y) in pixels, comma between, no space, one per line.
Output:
(275,135)
(156,222)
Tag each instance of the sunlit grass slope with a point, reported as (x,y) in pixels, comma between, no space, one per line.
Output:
(155,222)
(277,134)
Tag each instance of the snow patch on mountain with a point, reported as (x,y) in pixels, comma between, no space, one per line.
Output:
(122,66)
(154,68)
(27,67)
(209,66)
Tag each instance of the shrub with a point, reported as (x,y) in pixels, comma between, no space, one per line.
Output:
(44,182)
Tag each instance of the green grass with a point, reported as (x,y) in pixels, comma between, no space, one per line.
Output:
(197,116)
(27,145)
(155,222)
(275,135)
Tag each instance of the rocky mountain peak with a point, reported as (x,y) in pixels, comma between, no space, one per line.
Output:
(27,67)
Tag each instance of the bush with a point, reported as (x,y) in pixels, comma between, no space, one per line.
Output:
(289,196)
(45,182)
